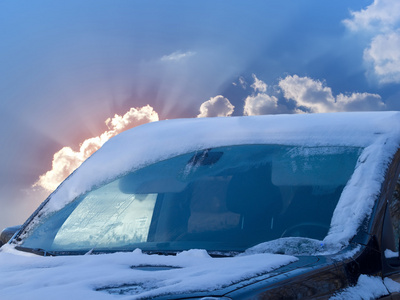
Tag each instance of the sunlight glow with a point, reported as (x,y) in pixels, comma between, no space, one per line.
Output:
(66,160)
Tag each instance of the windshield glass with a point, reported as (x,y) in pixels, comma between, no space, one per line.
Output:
(221,199)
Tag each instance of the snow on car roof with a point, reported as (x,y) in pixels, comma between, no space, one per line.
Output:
(377,132)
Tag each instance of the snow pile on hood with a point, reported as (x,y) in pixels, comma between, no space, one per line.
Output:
(92,276)
(377,132)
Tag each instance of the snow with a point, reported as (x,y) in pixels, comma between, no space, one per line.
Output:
(290,246)
(391,285)
(391,254)
(359,195)
(302,246)
(81,277)
(367,287)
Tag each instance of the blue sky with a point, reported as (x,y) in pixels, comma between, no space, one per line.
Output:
(66,67)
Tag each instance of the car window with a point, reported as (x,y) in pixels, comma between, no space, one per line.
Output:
(222,199)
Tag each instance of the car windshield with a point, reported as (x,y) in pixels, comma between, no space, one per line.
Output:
(224,199)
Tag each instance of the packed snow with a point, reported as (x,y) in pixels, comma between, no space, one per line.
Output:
(88,276)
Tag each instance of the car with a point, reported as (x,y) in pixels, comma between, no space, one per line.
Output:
(267,207)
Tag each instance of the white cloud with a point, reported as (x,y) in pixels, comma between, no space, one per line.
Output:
(67,160)
(359,102)
(177,56)
(243,82)
(259,85)
(381,20)
(217,106)
(308,93)
(313,96)
(381,15)
(261,104)
(384,55)
(304,94)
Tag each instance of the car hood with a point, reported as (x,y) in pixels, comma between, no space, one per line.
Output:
(132,275)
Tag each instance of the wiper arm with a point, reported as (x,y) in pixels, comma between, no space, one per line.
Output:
(37,251)
(211,253)
(223,253)
(160,252)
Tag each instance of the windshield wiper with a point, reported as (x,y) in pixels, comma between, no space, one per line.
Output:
(223,253)
(175,252)
(37,251)
(160,252)
(44,252)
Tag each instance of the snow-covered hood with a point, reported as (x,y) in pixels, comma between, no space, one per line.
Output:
(132,275)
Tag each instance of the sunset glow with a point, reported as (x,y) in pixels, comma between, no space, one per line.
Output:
(66,160)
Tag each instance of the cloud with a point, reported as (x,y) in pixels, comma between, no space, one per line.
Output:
(384,56)
(381,20)
(381,15)
(261,104)
(217,106)
(177,56)
(67,160)
(307,95)
(242,82)
(259,85)
(359,102)
(313,96)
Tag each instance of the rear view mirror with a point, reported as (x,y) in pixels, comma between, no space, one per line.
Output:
(8,233)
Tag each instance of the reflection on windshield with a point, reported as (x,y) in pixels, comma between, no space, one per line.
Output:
(222,199)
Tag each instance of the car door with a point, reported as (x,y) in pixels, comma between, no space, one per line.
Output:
(390,243)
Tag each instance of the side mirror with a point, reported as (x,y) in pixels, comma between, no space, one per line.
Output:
(8,233)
